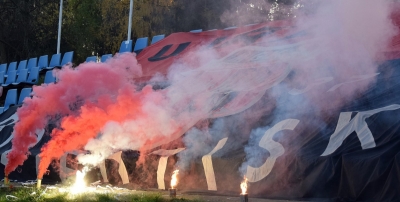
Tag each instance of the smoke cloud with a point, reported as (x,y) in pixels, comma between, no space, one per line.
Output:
(193,94)
(254,87)
(75,87)
(335,63)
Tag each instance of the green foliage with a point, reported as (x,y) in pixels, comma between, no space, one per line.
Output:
(34,195)
(29,28)
(154,197)
(81,24)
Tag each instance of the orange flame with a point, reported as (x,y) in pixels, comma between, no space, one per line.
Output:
(174,179)
(243,185)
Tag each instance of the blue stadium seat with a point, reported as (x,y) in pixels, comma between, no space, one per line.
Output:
(10,78)
(3,67)
(43,61)
(157,38)
(31,63)
(67,58)
(21,66)
(126,46)
(2,78)
(104,58)
(91,59)
(49,78)
(55,61)
(11,67)
(33,76)
(196,30)
(140,44)
(25,92)
(21,76)
(11,99)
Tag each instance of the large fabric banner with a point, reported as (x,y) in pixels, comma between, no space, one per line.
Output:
(350,153)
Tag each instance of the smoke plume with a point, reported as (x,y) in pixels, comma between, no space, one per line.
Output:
(87,83)
(338,48)
(104,111)
(334,64)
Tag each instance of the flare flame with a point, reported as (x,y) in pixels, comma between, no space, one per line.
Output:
(243,185)
(80,184)
(174,179)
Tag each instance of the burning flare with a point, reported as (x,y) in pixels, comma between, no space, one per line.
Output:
(80,184)
(174,179)
(243,185)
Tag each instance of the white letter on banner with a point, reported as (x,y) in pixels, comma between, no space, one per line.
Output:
(13,119)
(65,172)
(208,166)
(346,126)
(121,168)
(162,164)
(275,149)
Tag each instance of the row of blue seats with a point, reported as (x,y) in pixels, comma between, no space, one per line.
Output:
(228,28)
(141,43)
(12,98)
(43,63)
(126,46)
(94,58)
(24,77)
(12,95)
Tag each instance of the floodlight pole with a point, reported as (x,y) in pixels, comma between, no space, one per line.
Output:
(130,20)
(59,27)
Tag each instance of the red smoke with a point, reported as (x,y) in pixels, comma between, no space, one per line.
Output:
(85,84)
(77,130)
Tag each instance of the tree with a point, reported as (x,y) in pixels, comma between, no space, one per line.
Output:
(29,28)
(81,28)
(25,25)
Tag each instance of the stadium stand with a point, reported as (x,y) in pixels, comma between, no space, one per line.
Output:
(33,76)
(21,66)
(22,75)
(25,92)
(12,75)
(11,99)
(54,61)
(49,78)
(157,38)
(67,58)
(2,77)
(11,67)
(126,46)
(104,58)
(91,59)
(3,68)
(140,44)
(31,63)
(43,62)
